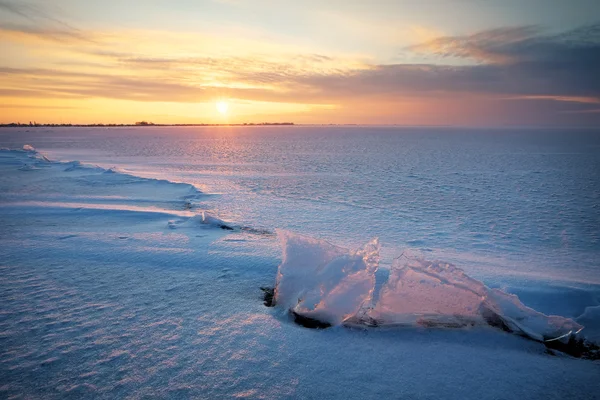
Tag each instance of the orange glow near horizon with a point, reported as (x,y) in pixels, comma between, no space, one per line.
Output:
(371,70)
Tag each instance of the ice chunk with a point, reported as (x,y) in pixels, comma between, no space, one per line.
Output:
(209,219)
(591,319)
(527,321)
(429,293)
(203,219)
(320,281)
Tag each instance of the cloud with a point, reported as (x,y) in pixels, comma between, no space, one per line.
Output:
(518,70)
(514,44)
(569,99)
(41,33)
(31,11)
(493,45)
(36,107)
(513,61)
(563,67)
(24,9)
(36,22)
(48,83)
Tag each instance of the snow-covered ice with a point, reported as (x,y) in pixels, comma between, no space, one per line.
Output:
(123,284)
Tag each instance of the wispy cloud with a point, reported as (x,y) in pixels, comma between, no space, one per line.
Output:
(36,107)
(517,68)
(568,99)
(42,33)
(36,21)
(492,46)
(29,11)
(516,45)
(552,67)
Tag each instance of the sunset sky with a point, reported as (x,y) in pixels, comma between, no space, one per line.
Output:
(430,62)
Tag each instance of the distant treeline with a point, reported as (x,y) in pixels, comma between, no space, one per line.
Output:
(141,123)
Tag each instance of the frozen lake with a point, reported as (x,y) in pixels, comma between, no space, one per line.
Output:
(112,286)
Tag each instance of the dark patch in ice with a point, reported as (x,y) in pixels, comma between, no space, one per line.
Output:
(268,296)
(257,231)
(28,167)
(494,319)
(310,323)
(576,347)
(363,322)
(458,323)
(227,274)
(202,220)
(67,237)
(550,352)
(48,362)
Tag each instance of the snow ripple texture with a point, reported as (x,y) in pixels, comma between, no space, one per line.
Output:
(113,285)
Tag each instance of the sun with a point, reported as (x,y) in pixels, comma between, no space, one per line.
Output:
(222,107)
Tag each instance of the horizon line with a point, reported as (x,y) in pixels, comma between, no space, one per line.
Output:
(144,124)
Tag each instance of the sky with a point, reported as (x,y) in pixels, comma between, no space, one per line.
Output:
(408,62)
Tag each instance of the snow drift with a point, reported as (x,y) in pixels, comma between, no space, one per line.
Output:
(327,283)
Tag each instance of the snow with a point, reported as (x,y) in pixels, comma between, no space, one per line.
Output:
(100,298)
